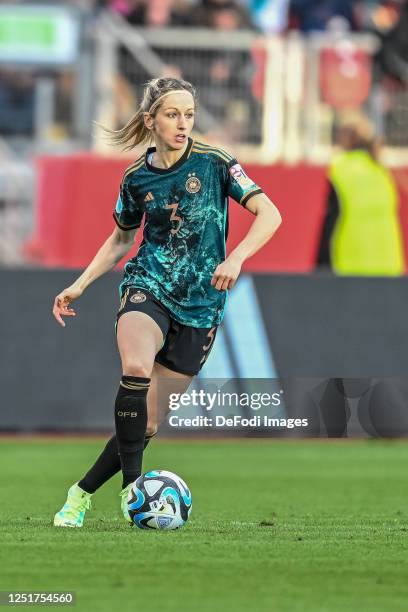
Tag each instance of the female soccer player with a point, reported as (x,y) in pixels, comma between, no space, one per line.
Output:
(173,292)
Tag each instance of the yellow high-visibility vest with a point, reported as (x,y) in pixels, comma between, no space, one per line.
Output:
(367,237)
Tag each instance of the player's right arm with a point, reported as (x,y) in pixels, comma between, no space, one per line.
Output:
(112,251)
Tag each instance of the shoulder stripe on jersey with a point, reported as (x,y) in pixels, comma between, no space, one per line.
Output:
(215,152)
(210,146)
(135,166)
(204,147)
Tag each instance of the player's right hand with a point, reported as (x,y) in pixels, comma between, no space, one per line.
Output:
(62,303)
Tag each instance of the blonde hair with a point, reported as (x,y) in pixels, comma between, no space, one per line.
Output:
(135,132)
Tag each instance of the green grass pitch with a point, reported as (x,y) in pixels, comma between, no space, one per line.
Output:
(285,526)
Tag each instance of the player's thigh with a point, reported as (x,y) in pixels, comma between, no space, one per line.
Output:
(163,382)
(139,339)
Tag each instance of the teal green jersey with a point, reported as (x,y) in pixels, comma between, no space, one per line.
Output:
(185,210)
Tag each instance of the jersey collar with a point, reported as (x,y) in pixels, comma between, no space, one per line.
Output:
(175,166)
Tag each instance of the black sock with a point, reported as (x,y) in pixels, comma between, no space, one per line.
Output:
(131,423)
(106,466)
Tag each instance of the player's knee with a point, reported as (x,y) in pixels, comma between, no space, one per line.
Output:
(135,367)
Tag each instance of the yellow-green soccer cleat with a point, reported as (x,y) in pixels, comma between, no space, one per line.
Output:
(72,513)
(123,503)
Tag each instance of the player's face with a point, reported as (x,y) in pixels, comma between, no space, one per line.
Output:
(174,120)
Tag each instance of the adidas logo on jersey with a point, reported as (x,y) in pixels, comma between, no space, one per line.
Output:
(149,197)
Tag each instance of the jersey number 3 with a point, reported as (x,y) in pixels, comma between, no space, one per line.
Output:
(174,217)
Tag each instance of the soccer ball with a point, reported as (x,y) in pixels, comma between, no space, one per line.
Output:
(159,500)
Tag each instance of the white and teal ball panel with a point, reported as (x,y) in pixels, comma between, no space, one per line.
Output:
(159,500)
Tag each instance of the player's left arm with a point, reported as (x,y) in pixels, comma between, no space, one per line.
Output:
(266,222)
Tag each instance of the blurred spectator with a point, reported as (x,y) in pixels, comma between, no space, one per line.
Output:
(393,57)
(224,76)
(390,94)
(17,94)
(133,74)
(360,233)
(220,14)
(122,7)
(380,15)
(316,15)
(158,14)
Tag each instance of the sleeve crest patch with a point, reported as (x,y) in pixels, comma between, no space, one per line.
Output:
(238,174)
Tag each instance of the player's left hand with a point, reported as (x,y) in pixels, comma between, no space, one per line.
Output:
(226,274)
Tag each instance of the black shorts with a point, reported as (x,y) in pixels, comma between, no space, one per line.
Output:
(185,349)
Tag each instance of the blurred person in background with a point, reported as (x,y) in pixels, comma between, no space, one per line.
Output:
(360,233)
(225,75)
(203,13)
(161,14)
(152,14)
(379,15)
(158,14)
(17,99)
(316,15)
(393,56)
(121,7)
(390,24)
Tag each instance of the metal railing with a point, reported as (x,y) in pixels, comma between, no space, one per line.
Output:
(239,80)
(266,98)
